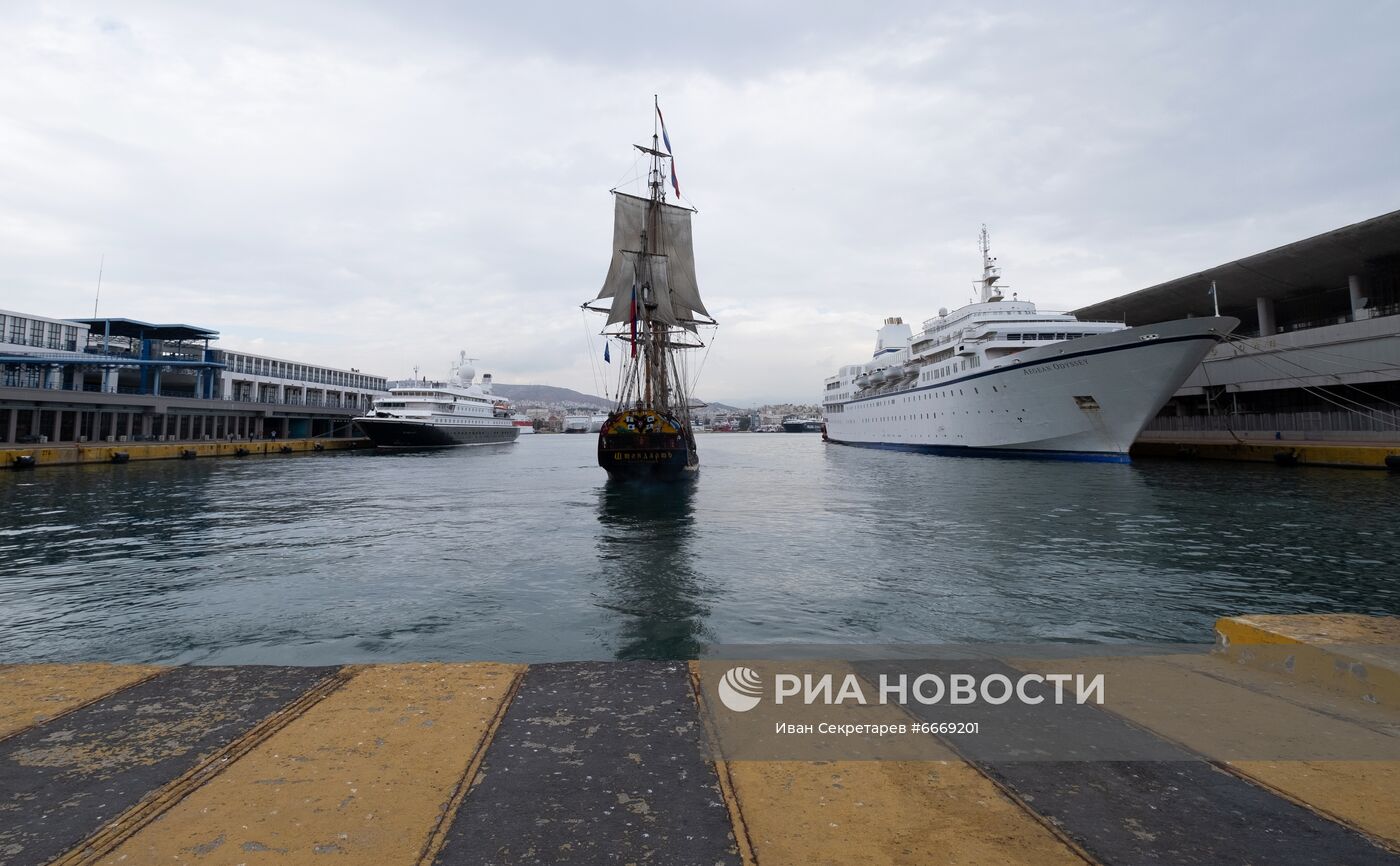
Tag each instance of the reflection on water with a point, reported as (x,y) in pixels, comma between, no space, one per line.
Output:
(646,571)
(525,553)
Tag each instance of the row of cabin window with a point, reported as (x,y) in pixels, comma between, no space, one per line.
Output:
(950,369)
(1042,336)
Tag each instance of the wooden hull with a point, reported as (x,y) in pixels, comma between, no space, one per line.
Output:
(646,445)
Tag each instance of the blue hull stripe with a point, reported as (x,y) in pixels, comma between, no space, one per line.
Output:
(1002,453)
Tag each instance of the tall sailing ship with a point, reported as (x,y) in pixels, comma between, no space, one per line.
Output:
(653,306)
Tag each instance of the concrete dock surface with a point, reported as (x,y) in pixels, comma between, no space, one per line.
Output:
(613,762)
(1253,448)
(94,453)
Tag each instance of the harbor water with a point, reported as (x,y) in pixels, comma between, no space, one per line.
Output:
(524,552)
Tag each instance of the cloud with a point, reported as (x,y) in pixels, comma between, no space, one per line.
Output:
(361,185)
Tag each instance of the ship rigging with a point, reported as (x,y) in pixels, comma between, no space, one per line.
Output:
(652,302)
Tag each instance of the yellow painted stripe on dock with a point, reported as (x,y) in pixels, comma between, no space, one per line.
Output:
(368,775)
(37,693)
(1180,698)
(1289,689)
(1244,630)
(886,812)
(93,453)
(1350,654)
(1362,456)
(1333,629)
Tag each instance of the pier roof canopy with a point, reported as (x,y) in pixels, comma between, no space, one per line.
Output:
(1302,267)
(146,330)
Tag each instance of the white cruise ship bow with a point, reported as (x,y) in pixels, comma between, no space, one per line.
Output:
(999,378)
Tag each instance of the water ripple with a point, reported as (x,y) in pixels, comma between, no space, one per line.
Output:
(524,553)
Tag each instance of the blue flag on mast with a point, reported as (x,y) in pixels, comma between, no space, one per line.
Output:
(607,358)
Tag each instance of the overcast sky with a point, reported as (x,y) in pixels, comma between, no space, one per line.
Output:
(363,185)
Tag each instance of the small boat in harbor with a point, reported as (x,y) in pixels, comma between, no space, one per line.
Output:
(653,305)
(441,414)
(792,424)
(581,423)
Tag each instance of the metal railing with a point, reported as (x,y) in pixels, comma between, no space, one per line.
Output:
(350,380)
(1372,421)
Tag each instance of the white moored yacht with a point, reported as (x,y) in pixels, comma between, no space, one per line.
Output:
(998,377)
(441,414)
(585,423)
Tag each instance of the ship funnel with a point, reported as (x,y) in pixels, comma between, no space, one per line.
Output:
(893,336)
(486,382)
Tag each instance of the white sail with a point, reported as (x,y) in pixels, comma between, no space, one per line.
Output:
(682,295)
(629,220)
(679,249)
(650,277)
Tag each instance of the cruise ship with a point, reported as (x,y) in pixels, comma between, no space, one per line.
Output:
(999,378)
(441,414)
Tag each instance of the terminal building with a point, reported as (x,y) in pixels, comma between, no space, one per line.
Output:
(1317,353)
(120,380)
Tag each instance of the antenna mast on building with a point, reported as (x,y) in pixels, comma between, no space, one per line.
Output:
(100,265)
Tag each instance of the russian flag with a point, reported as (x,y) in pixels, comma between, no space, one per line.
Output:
(676,184)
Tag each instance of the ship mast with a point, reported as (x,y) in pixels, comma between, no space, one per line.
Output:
(654,336)
(990,272)
(650,290)
(650,238)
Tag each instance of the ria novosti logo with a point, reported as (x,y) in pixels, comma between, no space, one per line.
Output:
(740,689)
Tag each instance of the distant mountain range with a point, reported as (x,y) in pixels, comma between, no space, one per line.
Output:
(550,394)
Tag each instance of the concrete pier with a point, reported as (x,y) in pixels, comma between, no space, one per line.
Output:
(108,452)
(486,763)
(1286,451)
